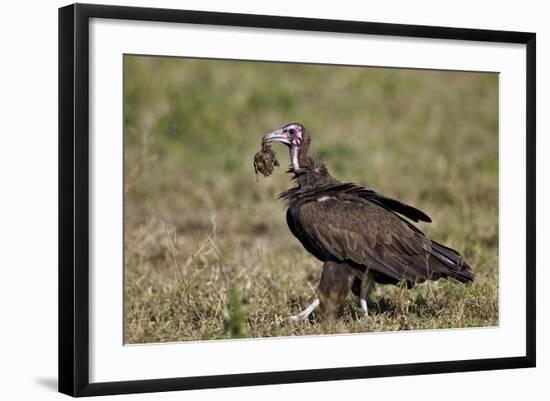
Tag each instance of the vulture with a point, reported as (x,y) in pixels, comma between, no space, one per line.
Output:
(361,236)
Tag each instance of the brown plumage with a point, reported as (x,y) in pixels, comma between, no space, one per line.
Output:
(355,229)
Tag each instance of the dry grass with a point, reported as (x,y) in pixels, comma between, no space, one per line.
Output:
(207,251)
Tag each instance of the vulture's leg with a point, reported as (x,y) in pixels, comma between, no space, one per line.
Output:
(334,287)
(366,288)
(303,315)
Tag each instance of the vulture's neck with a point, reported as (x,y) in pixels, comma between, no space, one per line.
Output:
(298,155)
(313,173)
(308,172)
(312,177)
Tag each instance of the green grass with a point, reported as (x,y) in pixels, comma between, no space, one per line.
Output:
(208,254)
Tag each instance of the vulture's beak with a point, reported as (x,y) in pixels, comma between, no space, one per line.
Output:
(277,136)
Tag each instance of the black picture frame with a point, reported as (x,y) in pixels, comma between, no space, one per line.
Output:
(74,198)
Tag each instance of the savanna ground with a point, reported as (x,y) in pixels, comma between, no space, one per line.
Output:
(208,254)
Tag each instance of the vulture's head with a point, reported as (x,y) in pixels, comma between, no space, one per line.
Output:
(293,135)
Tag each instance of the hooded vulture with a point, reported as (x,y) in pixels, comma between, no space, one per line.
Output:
(361,236)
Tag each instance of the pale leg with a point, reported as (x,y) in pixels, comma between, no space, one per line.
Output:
(303,315)
(366,288)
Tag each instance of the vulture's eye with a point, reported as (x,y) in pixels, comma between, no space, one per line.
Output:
(292,131)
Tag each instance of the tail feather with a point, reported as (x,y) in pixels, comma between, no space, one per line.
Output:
(456,267)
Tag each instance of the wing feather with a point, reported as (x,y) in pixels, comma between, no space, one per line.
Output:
(367,234)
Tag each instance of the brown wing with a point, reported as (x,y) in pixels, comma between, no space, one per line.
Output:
(353,229)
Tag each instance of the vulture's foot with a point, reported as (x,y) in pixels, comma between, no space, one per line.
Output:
(303,315)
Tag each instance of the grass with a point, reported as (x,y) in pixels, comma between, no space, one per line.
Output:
(208,254)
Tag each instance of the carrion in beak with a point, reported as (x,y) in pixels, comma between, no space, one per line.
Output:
(265,160)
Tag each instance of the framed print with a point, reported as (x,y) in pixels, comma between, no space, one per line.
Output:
(295,199)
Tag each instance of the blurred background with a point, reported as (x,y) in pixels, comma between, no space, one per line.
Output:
(208,254)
